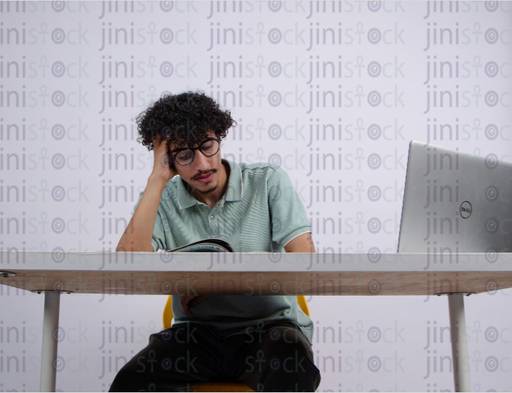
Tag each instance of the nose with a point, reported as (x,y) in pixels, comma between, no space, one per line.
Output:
(201,161)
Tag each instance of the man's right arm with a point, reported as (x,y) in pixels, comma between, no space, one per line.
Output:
(139,232)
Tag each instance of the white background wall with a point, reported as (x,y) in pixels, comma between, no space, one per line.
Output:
(74,75)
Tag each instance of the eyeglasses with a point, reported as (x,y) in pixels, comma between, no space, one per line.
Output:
(209,148)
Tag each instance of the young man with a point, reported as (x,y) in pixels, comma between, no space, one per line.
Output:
(262,341)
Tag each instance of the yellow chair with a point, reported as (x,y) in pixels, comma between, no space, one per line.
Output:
(220,386)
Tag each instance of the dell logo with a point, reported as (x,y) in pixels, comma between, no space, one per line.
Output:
(465,209)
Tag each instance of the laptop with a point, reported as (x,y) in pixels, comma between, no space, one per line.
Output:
(455,202)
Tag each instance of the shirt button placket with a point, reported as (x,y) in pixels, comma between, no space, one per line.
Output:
(212,224)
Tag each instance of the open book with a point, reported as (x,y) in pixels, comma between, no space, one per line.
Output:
(205,245)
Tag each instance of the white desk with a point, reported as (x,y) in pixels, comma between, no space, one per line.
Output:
(254,274)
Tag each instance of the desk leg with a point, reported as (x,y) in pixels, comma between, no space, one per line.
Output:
(49,352)
(459,344)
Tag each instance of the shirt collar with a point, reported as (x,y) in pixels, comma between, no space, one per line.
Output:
(234,192)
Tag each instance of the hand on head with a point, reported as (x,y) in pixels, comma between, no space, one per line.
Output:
(161,167)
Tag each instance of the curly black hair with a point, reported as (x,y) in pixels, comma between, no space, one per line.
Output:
(184,119)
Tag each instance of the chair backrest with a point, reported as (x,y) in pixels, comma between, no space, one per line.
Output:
(168,314)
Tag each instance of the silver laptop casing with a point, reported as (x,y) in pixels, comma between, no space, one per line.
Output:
(455,202)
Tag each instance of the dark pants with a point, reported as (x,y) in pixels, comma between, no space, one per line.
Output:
(276,357)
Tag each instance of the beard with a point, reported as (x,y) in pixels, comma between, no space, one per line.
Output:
(207,191)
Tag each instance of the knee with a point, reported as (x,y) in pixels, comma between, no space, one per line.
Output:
(122,380)
(284,337)
(288,349)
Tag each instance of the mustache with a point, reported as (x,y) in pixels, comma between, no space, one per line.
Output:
(202,173)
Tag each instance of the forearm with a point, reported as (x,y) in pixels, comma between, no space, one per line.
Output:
(302,243)
(138,233)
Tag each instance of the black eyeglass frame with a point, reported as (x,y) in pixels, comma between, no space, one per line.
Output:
(174,153)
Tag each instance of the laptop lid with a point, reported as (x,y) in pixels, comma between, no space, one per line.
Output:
(455,202)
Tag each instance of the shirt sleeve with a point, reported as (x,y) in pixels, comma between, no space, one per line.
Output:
(288,215)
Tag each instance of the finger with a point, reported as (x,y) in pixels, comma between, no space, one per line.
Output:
(198,299)
(185,304)
(184,300)
(189,312)
(157,142)
(160,144)
(161,151)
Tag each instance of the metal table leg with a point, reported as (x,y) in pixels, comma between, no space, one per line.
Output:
(459,342)
(50,341)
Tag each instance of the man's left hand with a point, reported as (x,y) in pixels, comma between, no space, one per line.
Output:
(190,301)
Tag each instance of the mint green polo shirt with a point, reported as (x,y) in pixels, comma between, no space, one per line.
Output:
(260,211)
